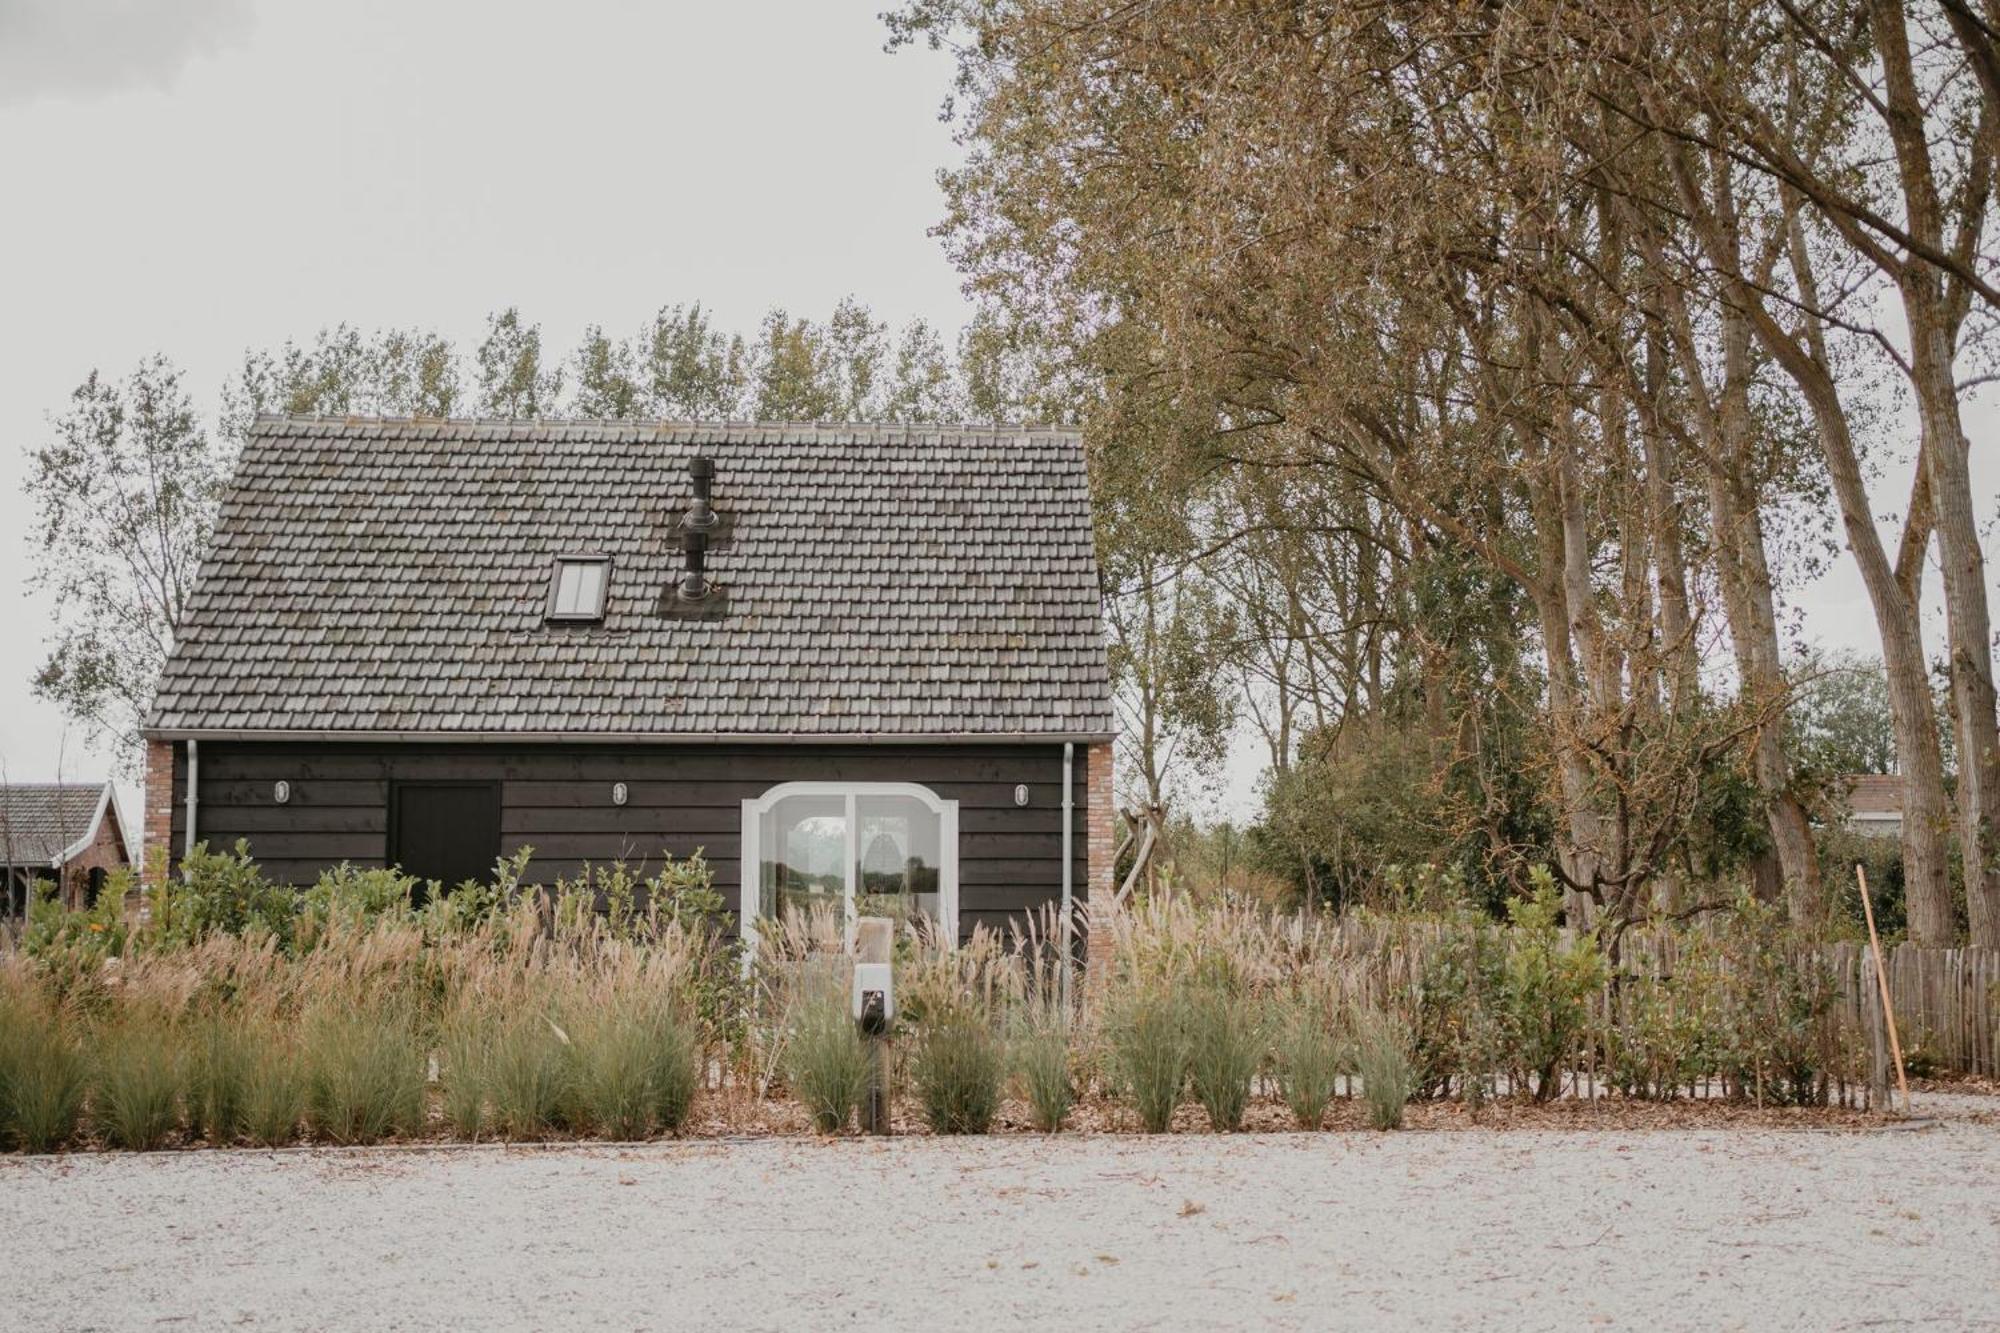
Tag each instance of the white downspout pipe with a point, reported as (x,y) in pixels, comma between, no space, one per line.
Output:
(1068,890)
(194,782)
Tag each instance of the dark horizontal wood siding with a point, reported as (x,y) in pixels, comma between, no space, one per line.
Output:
(681,799)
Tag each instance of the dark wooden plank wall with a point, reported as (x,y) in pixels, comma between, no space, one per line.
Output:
(557,799)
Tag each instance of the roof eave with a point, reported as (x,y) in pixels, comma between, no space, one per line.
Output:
(635,737)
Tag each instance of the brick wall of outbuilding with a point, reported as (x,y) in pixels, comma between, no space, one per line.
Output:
(1100,820)
(157,823)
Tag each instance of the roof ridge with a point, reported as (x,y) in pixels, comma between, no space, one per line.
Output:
(267,421)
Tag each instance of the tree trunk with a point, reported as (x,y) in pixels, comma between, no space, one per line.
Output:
(1968,621)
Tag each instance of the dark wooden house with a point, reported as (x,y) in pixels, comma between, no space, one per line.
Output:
(840,661)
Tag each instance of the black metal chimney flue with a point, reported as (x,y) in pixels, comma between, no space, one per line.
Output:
(700,521)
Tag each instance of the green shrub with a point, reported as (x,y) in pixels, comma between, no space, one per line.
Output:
(1225,1045)
(958,1070)
(1778,1004)
(636,1072)
(1149,1054)
(1388,1075)
(1550,983)
(365,1073)
(137,1075)
(1459,1035)
(1308,1061)
(42,1076)
(351,896)
(528,1076)
(221,893)
(826,1061)
(1042,1062)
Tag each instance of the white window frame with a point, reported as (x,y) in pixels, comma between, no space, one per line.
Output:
(750,868)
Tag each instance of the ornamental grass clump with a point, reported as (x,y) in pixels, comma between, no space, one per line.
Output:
(1148,1035)
(138,1071)
(1307,1057)
(1225,1046)
(366,1068)
(1388,1074)
(826,1060)
(42,1075)
(957,1071)
(529,1075)
(221,1050)
(464,1047)
(273,1099)
(1043,1065)
(636,1072)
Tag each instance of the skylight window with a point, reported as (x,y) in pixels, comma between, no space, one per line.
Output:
(576,589)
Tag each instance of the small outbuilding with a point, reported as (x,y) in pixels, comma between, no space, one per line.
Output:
(845,663)
(66,833)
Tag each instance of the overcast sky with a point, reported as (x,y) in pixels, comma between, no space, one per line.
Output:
(203,176)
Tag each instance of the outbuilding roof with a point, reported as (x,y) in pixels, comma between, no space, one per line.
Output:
(383,576)
(48,823)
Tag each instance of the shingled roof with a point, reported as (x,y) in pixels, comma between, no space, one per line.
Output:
(388,576)
(42,823)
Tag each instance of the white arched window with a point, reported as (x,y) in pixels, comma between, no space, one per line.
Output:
(863,848)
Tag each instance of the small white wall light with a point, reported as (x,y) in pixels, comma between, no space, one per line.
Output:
(281,792)
(619,793)
(1021,794)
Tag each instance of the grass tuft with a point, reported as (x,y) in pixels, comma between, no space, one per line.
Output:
(1225,1046)
(136,1080)
(959,1067)
(1388,1073)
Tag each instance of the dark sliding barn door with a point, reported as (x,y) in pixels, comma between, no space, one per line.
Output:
(446,831)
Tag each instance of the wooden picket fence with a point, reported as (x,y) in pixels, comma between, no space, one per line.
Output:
(1947,1002)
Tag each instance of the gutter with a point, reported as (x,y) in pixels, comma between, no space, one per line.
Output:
(1068,892)
(194,783)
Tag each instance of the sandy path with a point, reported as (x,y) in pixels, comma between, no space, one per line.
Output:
(1764,1229)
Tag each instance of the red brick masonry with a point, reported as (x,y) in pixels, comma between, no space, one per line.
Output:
(155,850)
(1099,821)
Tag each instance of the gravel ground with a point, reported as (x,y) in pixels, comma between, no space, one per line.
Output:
(1524,1228)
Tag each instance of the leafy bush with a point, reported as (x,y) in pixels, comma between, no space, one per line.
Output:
(1388,1076)
(42,1076)
(958,1070)
(221,893)
(1550,982)
(70,945)
(636,1072)
(1148,1034)
(1308,1059)
(137,1075)
(826,1061)
(366,1070)
(351,896)
(1225,1046)
(1778,1012)
(1460,1037)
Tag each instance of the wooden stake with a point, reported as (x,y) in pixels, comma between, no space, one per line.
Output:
(1882,980)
